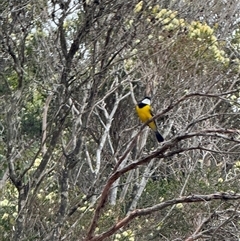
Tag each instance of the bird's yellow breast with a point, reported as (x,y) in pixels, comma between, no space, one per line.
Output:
(145,114)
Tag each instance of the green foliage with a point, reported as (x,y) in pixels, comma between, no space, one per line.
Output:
(86,56)
(32,115)
(191,40)
(8,210)
(179,219)
(127,235)
(159,190)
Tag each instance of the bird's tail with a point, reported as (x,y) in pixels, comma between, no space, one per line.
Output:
(159,136)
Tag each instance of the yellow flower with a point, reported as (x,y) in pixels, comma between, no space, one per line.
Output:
(118,235)
(150,36)
(169,27)
(161,13)
(138,7)
(213,39)
(130,22)
(175,21)
(220,180)
(166,20)
(5,216)
(197,32)
(161,199)
(82,209)
(179,206)
(134,51)
(181,22)
(4,203)
(155,9)
(237,164)
(97,229)
(194,23)
(173,15)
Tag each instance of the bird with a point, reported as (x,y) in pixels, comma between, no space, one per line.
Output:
(144,112)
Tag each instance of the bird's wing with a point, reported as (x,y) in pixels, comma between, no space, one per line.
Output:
(151,112)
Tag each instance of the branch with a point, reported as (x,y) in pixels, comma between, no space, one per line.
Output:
(192,123)
(17,65)
(197,234)
(185,97)
(83,31)
(62,37)
(160,153)
(44,123)
(226,221)
(4,178)
(119,173)
(107,126)
(206,132)
(145,211)
(105,134)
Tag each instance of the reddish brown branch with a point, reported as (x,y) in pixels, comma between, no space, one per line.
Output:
(160,153)
(158,207)
(185,97)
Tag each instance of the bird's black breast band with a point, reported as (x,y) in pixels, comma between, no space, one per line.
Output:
(141,105)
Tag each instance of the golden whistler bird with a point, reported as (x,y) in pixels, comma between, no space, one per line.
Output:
(144,112)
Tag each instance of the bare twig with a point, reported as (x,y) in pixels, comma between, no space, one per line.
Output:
(145,211)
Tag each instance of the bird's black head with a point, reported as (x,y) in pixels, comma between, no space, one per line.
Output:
(146,100)
(147,97)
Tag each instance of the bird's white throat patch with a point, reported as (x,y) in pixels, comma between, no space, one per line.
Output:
(146,101)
